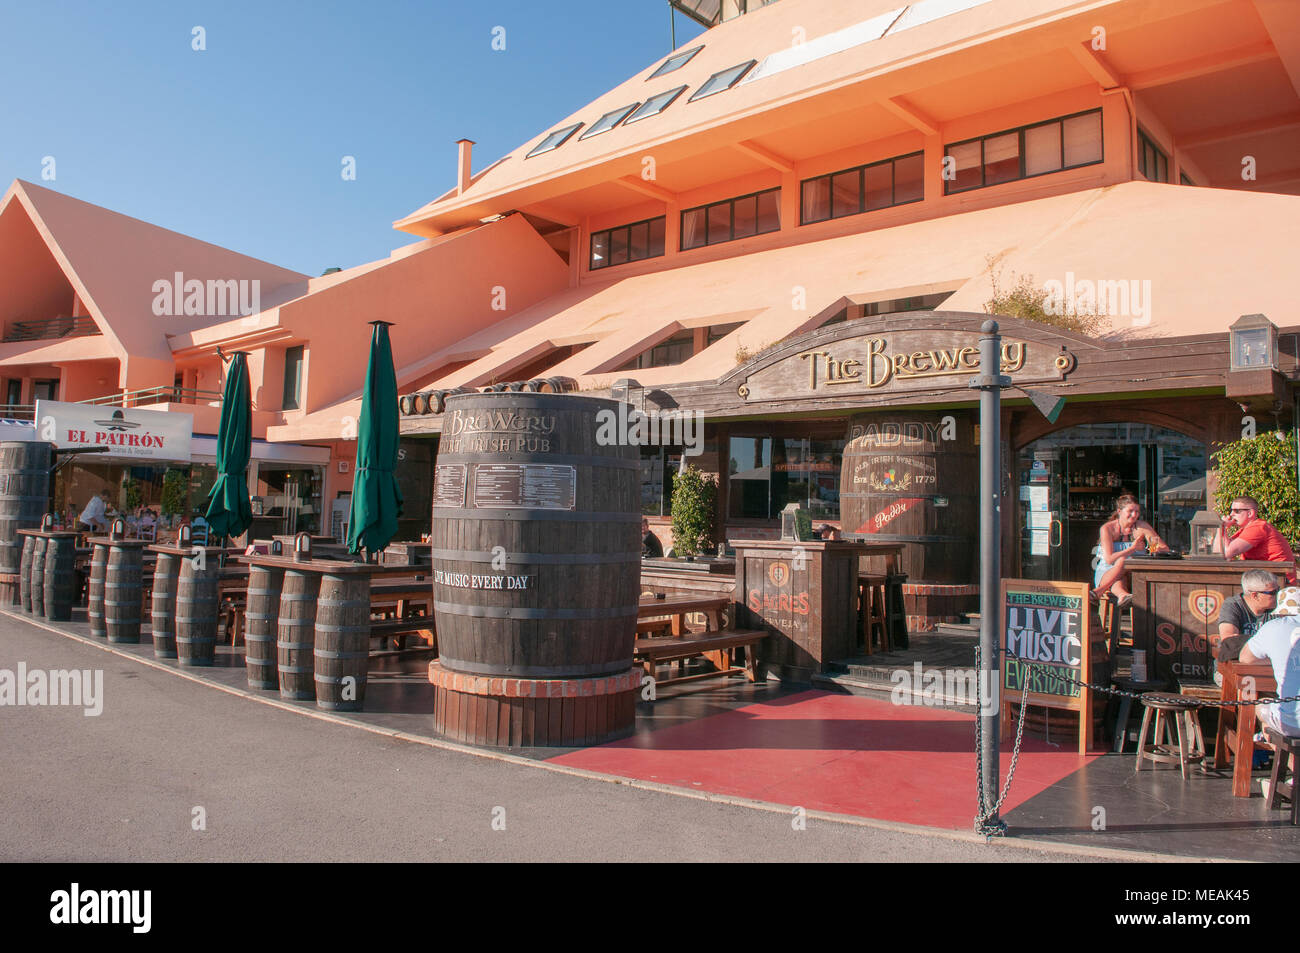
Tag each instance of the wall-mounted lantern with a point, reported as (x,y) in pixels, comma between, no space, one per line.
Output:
(1252,344)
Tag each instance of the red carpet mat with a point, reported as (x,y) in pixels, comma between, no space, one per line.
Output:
(832,752)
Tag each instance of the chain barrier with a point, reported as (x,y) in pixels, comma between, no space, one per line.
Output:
(983,824)
(989,828)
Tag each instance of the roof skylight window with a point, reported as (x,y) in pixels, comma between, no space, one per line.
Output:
(655,105)
(724,80)
(554,140)
(608,121)
(677,61)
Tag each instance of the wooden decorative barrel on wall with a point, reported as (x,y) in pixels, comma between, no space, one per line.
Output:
(25,572)
(36,578)
(536,566)
(95,588)
(296,634)
(342,644)
(122,590)
(24,497)
(911,477)
(261,618)
(60,579)
(162,611)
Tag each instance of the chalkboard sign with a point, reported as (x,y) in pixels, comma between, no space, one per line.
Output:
(1046,646)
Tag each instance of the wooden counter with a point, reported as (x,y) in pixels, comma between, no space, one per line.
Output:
(1176,606)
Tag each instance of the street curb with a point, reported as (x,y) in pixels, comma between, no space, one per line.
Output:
(896,827)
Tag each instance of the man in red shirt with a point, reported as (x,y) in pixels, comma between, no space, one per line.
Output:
(1255,539)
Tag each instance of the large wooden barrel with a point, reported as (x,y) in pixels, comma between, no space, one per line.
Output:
(196,610)
(95,590)
(296,634)
(24,495)
(166,576)
(342,648)
(536,540)
(60,579)
(25,573)
(122,590)
(911,477)
(261,617)
(36,578)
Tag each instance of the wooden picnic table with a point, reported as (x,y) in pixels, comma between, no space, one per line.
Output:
(1235,738)
(678,606)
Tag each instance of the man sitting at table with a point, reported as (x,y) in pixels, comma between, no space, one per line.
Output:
(1278,643)
(1255,537)
(650,545)
(94,518)
(1241,616)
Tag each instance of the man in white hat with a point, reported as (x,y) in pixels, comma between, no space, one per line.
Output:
(1278,643)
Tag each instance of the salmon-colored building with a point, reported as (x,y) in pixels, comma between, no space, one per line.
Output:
(792,225)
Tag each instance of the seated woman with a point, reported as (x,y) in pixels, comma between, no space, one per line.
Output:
(1122,536)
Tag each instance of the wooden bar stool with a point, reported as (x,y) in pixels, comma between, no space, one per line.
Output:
(896,610)
(1285,749)
(871,611)
(1182,712)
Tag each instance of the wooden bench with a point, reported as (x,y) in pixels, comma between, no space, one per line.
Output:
(421,627)
(717,647)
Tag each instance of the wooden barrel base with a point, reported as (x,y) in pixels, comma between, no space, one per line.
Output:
(533,712)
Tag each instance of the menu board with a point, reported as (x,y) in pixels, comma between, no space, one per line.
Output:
(534,486)
(449,485)
(1045,628)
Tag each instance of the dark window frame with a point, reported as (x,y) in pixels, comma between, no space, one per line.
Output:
(1147,141)
(704,92)
(1019,132)
(609,243)
(1185,179)
(672,94)
(595,130)
(298,378)
(731,210)
(669,66)
(862,188)
(565,133)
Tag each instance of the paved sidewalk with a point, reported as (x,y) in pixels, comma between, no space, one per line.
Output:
(844,755)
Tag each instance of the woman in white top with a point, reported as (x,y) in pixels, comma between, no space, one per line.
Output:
(1124,535)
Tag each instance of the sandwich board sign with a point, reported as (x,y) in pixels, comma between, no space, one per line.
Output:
(1045,646)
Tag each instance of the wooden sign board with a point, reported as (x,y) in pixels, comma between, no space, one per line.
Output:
(1044,629)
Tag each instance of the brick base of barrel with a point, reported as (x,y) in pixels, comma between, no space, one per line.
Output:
(533,712)
(928,604)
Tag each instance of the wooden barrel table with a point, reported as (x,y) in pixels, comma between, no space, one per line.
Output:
(123,586)
(296,634)
(261,618)
(341,651)
(24,495)
(95,587)
(60,578)
(536,566)
(162,610)
(36,577)
(197,601)
(25,572)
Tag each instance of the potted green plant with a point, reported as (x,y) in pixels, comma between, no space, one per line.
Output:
(172,501)
(1262,467)
(694,504)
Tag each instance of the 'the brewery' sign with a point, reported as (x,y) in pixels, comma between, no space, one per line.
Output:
(922,359)
(142,434)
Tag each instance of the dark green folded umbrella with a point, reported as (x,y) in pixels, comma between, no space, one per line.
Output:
(376,501)
(229,512)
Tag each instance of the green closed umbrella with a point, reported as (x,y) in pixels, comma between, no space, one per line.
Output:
(229,512)
(376,501)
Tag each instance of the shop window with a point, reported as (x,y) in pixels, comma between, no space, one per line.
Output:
(293,378)
(741,217)
(635,242)
(766,473)
(659,466)
(1067,142)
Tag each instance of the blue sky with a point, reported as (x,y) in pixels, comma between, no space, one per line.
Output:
(241,144)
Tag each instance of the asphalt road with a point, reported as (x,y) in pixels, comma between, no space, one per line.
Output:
(273,785)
